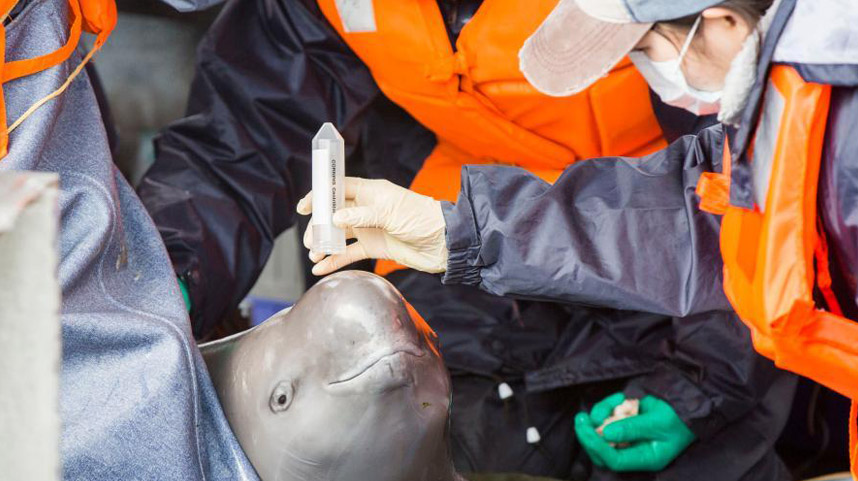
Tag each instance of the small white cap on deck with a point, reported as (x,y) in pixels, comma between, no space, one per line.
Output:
(533,435)
(504,391)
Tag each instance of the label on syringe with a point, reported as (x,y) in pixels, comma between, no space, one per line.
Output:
(324,186)
(328,190)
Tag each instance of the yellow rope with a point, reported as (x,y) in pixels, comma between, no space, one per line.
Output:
(53,94)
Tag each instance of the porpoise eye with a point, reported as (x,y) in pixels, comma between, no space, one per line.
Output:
(281,398)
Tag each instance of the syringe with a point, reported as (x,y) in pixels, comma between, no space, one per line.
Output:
(328,190)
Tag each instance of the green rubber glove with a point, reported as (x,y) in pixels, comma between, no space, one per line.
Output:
(656,436)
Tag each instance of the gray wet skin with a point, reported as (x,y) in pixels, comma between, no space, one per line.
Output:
(345,386)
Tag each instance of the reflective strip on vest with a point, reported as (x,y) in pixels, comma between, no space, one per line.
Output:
(764,144)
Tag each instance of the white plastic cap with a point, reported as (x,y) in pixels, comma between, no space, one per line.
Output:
(533,435)
(328,239)
(504,391)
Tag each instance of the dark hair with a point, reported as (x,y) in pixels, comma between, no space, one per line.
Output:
(750,10)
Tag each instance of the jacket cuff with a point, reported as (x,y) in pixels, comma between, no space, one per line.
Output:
(691,404)
(463,243)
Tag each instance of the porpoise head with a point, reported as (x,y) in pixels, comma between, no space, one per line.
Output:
(346,385)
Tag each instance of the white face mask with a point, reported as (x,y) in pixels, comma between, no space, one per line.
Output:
(668,81)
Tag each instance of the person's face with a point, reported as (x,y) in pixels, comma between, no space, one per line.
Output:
(716,43)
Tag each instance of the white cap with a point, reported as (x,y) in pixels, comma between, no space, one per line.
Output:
(504,391)
(533,435)
(572,48)
(582,40)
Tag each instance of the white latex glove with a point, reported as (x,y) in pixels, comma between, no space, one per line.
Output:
(389,222)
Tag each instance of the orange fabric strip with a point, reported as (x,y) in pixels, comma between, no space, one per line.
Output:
(714,192)
(713,188)
(99,17)
(22,68)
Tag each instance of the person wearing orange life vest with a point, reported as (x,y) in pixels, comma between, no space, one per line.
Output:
(413,109)
(780,188)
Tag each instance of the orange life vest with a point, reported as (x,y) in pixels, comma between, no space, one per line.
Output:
(93,16)
(775,255)
(480,106)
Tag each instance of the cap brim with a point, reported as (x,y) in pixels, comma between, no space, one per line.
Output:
(571,49)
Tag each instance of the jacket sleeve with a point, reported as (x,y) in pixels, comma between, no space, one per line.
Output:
(228,175)
(613,232)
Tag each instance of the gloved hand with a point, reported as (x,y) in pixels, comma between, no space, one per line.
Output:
(389,222)
(656,436)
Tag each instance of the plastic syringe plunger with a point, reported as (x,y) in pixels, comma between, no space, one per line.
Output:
(328,190)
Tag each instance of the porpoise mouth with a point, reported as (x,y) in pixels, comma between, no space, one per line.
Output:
(363,369)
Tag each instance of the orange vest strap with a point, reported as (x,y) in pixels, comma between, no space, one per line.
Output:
(95,16)
(21,68)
